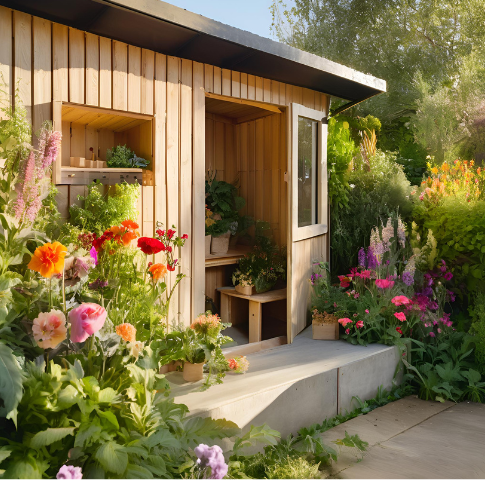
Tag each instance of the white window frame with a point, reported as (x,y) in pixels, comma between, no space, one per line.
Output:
(321,227)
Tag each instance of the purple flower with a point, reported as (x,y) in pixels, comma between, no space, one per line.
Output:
(94,255)
(431,334)
(448,276)
(407,278)
(98,284)
(427,291)
(361,257)
(213,458)
(452,295)
(433,306)
(70,472)
(371,259)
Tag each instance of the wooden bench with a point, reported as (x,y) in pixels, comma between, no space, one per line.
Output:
(255,307)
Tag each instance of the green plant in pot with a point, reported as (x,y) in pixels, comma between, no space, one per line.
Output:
(261,268)
(224,202)
(123,157)
(197,347)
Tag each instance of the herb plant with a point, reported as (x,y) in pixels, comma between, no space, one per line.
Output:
(123,157)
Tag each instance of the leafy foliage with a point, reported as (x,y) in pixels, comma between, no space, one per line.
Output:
(123,157)
(100,212)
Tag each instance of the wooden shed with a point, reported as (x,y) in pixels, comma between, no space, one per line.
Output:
(189,94)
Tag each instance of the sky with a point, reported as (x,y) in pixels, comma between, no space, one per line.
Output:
(251,15)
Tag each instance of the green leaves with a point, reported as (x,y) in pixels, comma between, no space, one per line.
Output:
(353,441)
(49,436)
(255,435)
(10,382)
(112,457)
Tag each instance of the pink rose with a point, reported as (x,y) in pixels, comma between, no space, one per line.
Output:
(359,324)
(85,320)
(401,300)
(400,316)
(344,321)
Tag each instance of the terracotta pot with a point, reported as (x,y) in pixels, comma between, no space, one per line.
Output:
(170,367)
(220,244)
(248,290)
(207,245)
(193,372)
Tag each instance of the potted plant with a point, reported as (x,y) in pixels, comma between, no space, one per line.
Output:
(222,199)
(123,157)
(197,346)
(220,231)
(261,268)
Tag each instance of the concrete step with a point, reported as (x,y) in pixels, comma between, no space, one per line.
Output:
(293,386)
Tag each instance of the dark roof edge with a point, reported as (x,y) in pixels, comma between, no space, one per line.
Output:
(198,23)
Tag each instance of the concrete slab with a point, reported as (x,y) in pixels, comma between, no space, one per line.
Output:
(412,438)
(287,387)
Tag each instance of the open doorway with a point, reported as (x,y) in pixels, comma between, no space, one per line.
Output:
(246,145)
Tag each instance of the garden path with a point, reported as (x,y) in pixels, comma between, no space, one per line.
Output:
(412,438)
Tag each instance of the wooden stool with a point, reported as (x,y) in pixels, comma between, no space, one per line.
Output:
(255,307)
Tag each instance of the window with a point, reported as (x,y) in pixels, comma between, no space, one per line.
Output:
(309,173)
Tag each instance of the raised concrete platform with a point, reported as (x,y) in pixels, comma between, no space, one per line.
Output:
(293,386)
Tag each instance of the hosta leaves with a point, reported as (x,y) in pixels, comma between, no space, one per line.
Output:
(10,382)
(51,435)
(112,457)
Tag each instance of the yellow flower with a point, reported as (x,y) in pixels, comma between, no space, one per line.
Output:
(434,170)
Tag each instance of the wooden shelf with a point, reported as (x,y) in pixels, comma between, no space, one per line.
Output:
(107,169)
(266,297)
(229,258)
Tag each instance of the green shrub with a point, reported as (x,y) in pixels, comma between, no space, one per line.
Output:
(103,211)
(477,312)
(375,194)
(292,467)
(123,157)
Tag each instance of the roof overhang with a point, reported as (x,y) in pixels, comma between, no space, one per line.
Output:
(171,30)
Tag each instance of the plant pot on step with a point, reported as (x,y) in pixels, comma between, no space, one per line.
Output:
(193,372)
(247,290)
(220,244)
(208,239)
(325,326)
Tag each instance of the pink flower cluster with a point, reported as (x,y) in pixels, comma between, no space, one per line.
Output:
(345,321)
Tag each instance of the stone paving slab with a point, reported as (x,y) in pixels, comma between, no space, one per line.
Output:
(412,438)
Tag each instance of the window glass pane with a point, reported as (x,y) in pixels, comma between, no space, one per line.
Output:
(307,173)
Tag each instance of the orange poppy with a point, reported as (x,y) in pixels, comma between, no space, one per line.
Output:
(158,270)
(128,237)
(48,259)
(130,225)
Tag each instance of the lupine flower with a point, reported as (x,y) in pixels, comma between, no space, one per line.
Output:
(407,278)
(126,331)
(361,257)
(69,472)
(371,259)
(48,259)
(213,458)
(86,320)
(49,329)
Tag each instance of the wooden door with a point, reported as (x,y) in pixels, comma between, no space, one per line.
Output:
(307,208)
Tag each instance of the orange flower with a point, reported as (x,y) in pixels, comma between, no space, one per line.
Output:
(158,270)
(445,167)
(48,259)
(434,170)
(130,225)
(123,235)
(128,237)
(127,332)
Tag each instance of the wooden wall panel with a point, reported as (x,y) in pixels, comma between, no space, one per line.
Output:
(60,62)
(42,95)
(134,79)
(76,65)
(92,69)
(22,28)
(105,73)
(120,75)
(6,61)
(147,75)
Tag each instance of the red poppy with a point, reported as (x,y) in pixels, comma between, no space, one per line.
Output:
(171,268)
(150,246)
(344,281)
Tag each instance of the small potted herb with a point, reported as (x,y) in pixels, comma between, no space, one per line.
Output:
(261,268)
(220,231)
(209,221)
(123,157)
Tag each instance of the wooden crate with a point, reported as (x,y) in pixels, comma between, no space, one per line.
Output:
(325,331)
